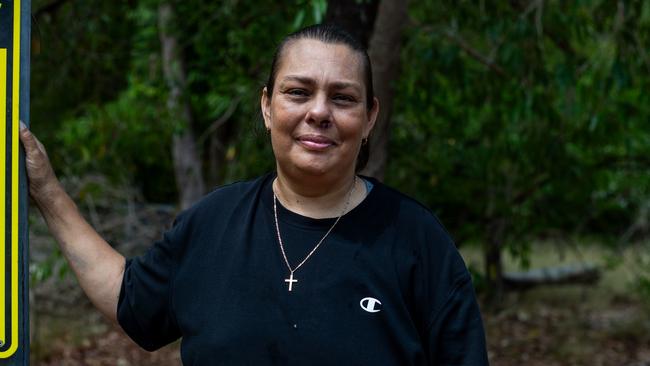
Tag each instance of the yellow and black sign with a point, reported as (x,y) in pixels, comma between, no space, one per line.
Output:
(14,68)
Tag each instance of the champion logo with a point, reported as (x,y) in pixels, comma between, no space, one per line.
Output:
(370,304)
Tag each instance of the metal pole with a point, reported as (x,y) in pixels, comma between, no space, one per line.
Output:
(14,107)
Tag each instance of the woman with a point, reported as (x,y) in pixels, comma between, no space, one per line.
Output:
(310,265)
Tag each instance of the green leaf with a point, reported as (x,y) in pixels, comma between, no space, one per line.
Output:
(298,20)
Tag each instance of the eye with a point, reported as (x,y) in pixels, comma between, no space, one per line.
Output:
(344,98)
(297,92)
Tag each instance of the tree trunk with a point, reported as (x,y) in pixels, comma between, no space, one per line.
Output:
(218,136)
(217,151)
(356,17)
(493,263)
(495,234)
(385,46)
(187,162)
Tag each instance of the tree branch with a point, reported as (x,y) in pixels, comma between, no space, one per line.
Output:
(219,121)
(473,53)
(559,41)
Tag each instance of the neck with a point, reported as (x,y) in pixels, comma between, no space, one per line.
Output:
(318,197)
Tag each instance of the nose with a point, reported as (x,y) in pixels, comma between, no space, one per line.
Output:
(319,113)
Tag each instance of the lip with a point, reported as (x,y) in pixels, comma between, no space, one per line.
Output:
(315,142)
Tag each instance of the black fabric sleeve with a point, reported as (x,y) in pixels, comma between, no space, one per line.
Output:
(452,327)
(144,306)
(456,331)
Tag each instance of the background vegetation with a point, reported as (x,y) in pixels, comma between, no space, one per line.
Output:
(520,123)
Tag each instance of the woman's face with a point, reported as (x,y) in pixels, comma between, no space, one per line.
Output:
(317,113)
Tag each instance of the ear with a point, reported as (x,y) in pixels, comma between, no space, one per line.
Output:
(265,104)
(372,117)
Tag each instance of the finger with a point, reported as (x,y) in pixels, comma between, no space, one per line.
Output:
(26,136)
(41,148)
(39,145)
(28,139)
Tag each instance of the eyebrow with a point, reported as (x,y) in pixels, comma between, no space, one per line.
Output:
(338,85)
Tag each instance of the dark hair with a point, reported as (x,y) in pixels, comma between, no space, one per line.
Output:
(332,34)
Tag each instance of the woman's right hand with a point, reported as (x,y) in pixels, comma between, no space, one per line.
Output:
(41,177)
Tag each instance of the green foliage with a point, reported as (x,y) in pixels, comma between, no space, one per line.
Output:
(536,117)
(53,264)
(124,140)
(641,268)
(80,54)
(478,279)
(643,285)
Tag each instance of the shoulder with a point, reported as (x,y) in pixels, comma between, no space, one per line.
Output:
(211,215)
(233,192)
(420,232)
(408,213)
(225,199)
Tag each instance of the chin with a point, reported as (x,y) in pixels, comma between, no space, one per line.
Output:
(313,169)
(315,163)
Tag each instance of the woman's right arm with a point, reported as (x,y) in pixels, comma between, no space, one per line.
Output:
(98,267)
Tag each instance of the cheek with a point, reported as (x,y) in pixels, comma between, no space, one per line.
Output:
(283,126)
(354,125)
(285,116)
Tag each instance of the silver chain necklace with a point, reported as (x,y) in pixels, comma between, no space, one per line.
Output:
(291,280)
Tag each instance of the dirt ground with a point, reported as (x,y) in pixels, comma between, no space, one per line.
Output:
(571,325)
(109,348)
(553,333)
